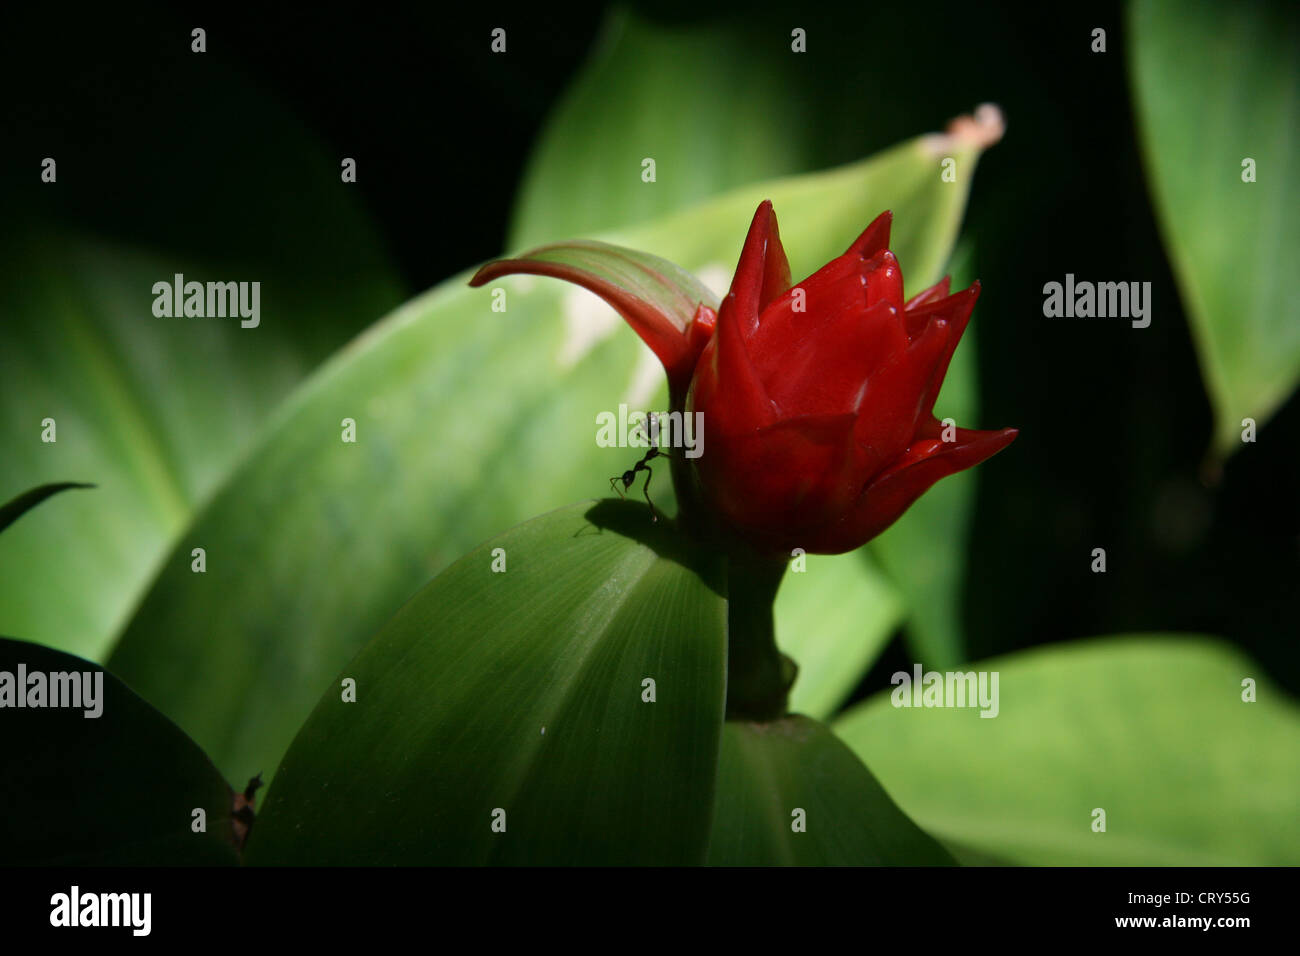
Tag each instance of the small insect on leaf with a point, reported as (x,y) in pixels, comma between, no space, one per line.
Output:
(628,477)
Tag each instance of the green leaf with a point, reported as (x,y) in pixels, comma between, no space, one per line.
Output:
(15,509)
(769,772)
(696,100)
(156,411)
(468,421)
(1151,729)
(1215,86)
(115,789)
(833,620)
(523,690)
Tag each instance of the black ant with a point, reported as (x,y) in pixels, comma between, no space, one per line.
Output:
(630,476)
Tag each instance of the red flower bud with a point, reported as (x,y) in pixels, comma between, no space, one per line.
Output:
(818,398)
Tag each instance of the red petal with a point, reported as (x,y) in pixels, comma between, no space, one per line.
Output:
(884,279)
(776,267)
(829,369)
(725,386)
(763,272)
(955,311)
(846,284)
(835,287)
(875,238)
(933,294)
(796,473)
(892,492)
(892,405)
(701,329)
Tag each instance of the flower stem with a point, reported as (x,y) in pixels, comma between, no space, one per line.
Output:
(758,675)
(690,516)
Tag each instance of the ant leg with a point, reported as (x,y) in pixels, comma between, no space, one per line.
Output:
(613,484)
(654,515)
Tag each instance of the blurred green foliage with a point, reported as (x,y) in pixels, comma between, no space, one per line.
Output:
(1154,730)
(1217,90)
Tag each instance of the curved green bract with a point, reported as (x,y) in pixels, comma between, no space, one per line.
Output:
(661,286)
(503,716)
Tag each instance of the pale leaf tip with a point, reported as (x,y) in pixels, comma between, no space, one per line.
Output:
(981,129)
